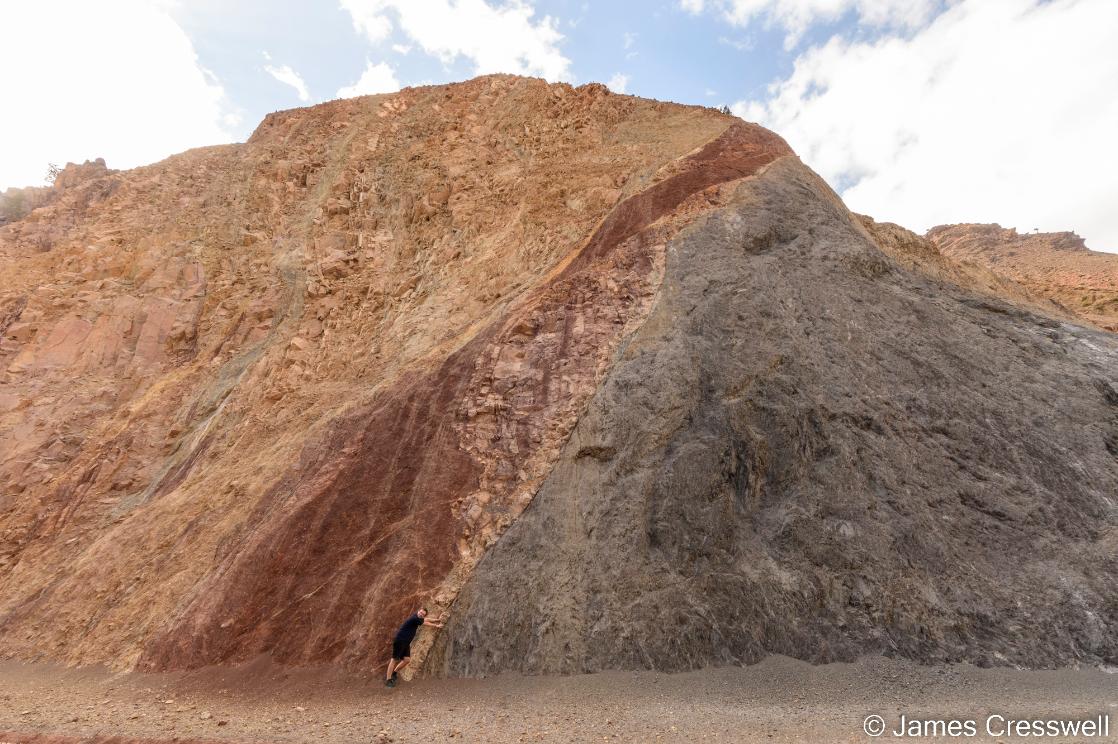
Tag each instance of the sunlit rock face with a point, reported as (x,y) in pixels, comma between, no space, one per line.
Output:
(1055,266)
(617,383)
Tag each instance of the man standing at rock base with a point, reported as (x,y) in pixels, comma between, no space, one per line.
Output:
(401,644)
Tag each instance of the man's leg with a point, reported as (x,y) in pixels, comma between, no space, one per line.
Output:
(391,667)
(403,663)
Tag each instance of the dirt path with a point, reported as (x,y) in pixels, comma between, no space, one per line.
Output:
(778,700)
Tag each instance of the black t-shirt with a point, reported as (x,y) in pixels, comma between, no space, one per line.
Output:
(408,630)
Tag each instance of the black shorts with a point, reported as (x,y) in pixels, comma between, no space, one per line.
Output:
(401,650)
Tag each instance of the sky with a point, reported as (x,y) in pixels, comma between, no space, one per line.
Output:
(920,112)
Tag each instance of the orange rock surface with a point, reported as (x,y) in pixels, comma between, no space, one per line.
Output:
(1056,266)
(267,397)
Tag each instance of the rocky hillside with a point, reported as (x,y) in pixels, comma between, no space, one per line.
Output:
(620,383)
(1056,266)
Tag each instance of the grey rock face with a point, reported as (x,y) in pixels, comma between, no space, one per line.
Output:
(807,450)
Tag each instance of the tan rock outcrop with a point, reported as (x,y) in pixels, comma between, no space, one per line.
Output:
(1056,266)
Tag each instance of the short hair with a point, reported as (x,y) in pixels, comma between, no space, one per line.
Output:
(424,609)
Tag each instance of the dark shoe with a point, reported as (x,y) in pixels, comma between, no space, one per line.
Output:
(390,682)
(394,675)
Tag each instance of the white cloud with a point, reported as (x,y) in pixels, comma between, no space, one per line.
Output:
(496,38)
(996,112)
(742,45)
(288,76)
(378,78)
(796,16)
(618,83)
(628,39)
(369,19)
(116,79)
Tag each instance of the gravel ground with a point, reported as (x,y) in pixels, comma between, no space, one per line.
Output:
(779,699)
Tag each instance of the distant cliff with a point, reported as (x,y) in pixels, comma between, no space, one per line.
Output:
(1054,265)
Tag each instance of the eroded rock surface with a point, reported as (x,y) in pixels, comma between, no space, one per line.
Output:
(621,383)
(1057,266)
(809,450)
(265,398)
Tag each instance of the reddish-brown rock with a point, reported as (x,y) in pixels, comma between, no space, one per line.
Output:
(268,397)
